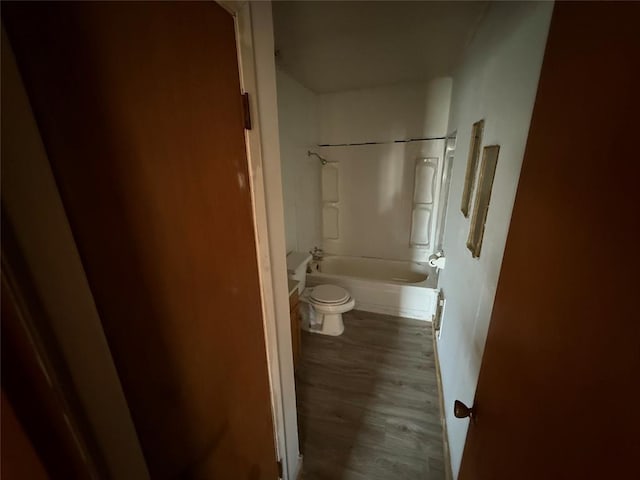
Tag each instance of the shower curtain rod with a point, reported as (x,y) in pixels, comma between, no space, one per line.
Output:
(380,143)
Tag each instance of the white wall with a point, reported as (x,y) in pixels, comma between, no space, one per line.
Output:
(397,112)
(497,81)
(298,123)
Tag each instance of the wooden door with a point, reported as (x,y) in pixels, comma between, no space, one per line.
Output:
(139,108)
(19,458)
(560,377)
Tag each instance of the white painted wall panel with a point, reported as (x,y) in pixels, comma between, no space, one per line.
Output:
(496,81)
(298,126)
(397,112)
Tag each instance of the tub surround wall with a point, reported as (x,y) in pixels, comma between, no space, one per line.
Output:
(376,181)
(497,82)
(298,125)
(375,200)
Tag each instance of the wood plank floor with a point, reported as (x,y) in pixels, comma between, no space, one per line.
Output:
(368,402)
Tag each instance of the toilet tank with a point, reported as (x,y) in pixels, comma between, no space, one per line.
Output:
(297,268)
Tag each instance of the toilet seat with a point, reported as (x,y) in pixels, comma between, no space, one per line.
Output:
(325,306)
(329,295)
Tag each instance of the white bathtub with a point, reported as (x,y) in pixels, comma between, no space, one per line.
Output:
(405,289)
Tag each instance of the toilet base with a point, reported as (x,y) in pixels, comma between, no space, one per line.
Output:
(323,319)
(330,324)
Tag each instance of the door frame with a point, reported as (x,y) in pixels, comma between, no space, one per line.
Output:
(255,47)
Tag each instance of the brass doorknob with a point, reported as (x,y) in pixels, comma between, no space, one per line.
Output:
(460,410)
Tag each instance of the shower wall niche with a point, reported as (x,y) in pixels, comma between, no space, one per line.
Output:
(425,185)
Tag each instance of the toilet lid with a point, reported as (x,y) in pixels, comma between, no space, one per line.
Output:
(329,294)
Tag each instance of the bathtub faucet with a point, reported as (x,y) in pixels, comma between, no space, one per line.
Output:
(317,254)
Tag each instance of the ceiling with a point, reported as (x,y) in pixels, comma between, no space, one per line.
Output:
(332,46)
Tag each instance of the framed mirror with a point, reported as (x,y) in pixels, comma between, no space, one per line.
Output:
(472,165)
(483,197)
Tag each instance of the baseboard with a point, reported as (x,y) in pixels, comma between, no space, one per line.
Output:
(299,469)
(445,437)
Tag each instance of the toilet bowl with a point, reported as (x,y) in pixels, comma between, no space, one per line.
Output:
(322,306)
(325,306)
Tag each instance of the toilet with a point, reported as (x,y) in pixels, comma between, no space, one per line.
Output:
(322,305)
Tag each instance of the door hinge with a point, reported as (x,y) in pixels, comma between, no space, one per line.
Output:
(280,469)
(246,111)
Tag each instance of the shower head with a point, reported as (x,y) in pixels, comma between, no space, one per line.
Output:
(322,160)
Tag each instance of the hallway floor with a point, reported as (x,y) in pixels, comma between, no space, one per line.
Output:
(368,401)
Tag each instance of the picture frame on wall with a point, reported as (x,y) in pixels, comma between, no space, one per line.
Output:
(483,197)
(472,166)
